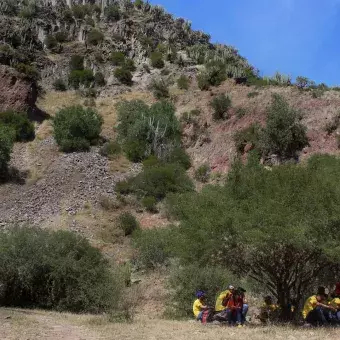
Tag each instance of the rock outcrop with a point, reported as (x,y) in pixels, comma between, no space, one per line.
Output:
(16,92)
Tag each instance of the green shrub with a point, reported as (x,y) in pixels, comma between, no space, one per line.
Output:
(160,89)
(203,81)
(78,11)
(185,281)
(145,131)
(7,137)
(117,58)
(50,42)
(202,173)
(19,123)
(95,37)
(253,94)
(149,204)
(240,112)
(284,134)
(157,60)
(221,105)
(54,270)
(303,83)
(75,128)
(29,71)
(158,181)
(67,16)
(81,77)
(183,82)
(250,135)
(110,149)
(99,79)
(77,63)
(123,75)
(61,36)
(112,12)
(90,22)
(153,246)
(179,156)
(333,124)
(139,3)
(130,65)
(128,223)
(59,85)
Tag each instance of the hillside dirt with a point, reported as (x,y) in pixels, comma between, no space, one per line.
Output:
(38,325)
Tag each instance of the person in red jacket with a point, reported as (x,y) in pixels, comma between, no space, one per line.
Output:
(234,309)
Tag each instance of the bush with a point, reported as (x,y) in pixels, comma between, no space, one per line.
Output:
(139,3)
(144,131)
(333,124)
(54,270)
(221,104)
(75,128)
(6,145)
(214,75)
(61,37)
(117,58)
(19,123)
(253,94)
(284,134)
(59,85)
(50,42)
(99,79)
(77,63)
(130,65)
(90,22)
(149,204)
(303,82)
(157,60)
(154,247)
(160,89)
(202,173)
(179,156)
(158,181)
(183,82)
(79,11)
(250,135)
(29,71)
(81,77)
(95,37)
(123,75)
(128,223)
(185,281)
(203,81)
(240,112)
(112,12)
(110,149)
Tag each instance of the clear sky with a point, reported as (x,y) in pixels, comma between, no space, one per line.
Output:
(295,37)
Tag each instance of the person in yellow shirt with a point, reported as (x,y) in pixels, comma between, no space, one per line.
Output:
(315,309)
(199,305)
(269,311)
(222,299)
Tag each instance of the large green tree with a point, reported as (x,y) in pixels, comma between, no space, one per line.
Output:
(280,227)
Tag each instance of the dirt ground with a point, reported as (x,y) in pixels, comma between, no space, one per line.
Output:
(18,324)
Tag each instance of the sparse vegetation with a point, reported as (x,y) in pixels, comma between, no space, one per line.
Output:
(183,82)
(59,85)
(202,173)
(160,88)
(76,128)
(124,75)
(50,42)
(77,63)
(95,37)
(253,94)
(112,12)
(81,77)
(117,58)
(99,79)
(110,149)
(248,136)
(221,105)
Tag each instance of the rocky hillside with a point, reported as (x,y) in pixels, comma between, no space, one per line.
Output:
(98,52)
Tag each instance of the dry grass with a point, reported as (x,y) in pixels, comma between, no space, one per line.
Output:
(38,325)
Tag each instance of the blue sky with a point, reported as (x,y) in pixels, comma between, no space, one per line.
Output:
(295,37)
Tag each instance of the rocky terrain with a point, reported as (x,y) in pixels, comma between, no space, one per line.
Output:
(38,39)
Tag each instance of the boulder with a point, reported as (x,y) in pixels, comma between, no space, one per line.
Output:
(16,92)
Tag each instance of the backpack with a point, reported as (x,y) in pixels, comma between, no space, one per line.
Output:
(207,316)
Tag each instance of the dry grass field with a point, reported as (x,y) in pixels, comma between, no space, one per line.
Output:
(18,324)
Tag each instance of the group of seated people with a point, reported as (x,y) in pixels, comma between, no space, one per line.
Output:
(231,306)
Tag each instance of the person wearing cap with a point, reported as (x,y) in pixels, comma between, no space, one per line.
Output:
(315,309)
(199,305)
(223,298)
